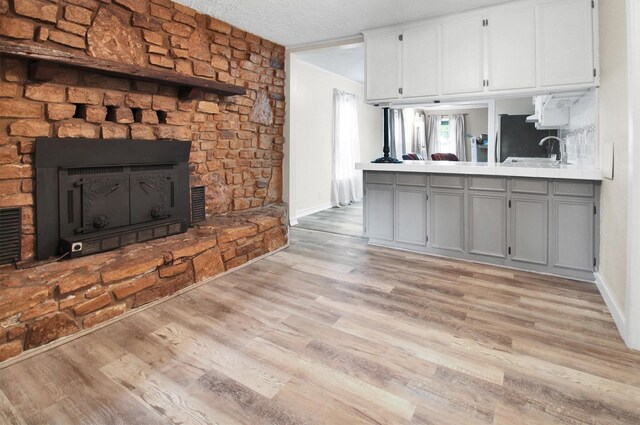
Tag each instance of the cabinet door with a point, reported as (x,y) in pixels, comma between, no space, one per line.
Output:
(411,215)
(565,31)
(383,65)
(529,222)
(488,224)
(447,220)
(463,55)
(573,227)
(420,61)
(379,212)
(512,48)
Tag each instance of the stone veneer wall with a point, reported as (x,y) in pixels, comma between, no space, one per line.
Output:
(48,302)
(237,141)
(237,151)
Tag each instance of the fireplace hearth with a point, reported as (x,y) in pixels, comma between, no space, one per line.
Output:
(94,195)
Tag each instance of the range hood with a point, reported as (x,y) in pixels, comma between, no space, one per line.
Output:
(553,111)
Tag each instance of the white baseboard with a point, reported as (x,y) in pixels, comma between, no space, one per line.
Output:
(293,222)
(614,308)
(308,211)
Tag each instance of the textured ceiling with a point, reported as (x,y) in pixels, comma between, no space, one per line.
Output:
(297,22)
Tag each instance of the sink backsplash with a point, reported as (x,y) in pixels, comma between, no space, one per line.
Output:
(581,145)
(581,133)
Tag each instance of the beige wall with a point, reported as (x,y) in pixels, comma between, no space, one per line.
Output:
(311,129)
(613,110)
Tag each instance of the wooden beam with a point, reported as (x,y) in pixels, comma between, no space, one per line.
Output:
(44,55)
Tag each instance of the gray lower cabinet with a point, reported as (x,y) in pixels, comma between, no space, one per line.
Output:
(447,220)
(379,212)
(529,229)
(573,234)
(411,215)
(488,224)
(542,225)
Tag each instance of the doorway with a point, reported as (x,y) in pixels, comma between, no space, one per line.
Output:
(314,76)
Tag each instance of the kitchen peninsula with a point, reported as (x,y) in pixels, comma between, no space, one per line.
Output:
(538,217)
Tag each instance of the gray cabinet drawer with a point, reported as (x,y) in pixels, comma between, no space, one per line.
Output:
(535,186)
(411,179)
(376,177)
(447,181)
(573,188)
(488,183)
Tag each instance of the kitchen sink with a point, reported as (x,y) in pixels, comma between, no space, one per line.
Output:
(533,162)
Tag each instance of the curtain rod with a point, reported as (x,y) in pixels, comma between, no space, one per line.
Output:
(445,114)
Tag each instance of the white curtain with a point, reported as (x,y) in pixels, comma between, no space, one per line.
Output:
(346,181)
(457,134)
(419,139)
(398,146)
(433,134)
(408,116)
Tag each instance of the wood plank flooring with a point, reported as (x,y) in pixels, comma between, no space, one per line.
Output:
(333,331)
(345,220)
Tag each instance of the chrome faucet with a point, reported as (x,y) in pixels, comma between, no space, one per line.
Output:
(563,147)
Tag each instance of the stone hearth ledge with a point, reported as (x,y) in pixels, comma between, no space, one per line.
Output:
(51,301)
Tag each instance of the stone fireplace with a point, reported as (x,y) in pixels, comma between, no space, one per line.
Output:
(233,142)
(94,196)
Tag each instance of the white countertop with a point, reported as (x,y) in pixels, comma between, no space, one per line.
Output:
(573,172)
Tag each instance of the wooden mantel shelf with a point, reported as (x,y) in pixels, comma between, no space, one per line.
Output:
(40,55)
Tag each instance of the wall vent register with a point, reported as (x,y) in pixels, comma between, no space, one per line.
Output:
(10,245)
(198,212)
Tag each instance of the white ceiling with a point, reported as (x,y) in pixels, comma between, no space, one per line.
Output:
(347,60)
(297,22)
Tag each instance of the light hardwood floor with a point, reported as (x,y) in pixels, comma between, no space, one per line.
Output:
(333,331)
(345,220)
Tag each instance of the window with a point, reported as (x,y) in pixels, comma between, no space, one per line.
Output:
(445,144)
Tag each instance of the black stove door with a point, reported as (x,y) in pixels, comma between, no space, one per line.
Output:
(105,203)
(92,200)
(152,196)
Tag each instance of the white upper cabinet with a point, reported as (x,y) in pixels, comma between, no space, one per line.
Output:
(511,52)
(463,55)
(420,61)
(522,47)
(565,31)
(383,65)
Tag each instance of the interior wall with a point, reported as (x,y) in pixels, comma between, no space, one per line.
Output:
(613,128)
(311,131)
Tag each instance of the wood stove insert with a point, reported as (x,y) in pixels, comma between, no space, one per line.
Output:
(93,195)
